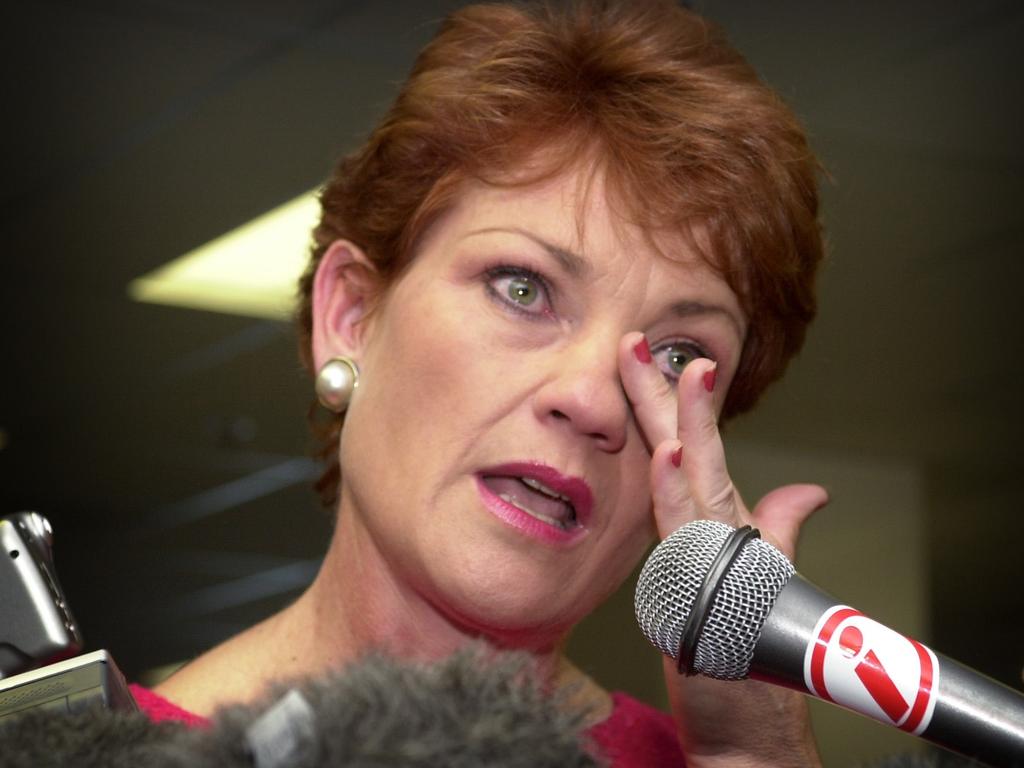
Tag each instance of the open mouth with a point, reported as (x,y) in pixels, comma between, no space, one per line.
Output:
(535,499)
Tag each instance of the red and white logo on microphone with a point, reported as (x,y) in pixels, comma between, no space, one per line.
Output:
(860,664)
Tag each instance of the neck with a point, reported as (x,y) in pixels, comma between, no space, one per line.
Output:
(356,605)
(351,610)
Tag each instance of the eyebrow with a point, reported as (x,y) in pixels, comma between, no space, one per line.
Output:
(690,308)
(571,262)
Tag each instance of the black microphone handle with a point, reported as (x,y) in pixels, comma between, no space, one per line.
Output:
(973,715)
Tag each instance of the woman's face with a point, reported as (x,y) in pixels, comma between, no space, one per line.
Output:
(490,459)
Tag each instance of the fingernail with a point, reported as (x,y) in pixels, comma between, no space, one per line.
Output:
(828,498)
(709,378)
(677,456)
(642,351)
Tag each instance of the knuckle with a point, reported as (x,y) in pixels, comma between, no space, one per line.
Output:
(708,428)
(664,396)
(723,501)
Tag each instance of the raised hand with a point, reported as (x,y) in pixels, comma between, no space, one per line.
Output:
(720,723)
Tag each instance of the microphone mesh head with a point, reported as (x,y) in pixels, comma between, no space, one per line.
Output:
(672,577)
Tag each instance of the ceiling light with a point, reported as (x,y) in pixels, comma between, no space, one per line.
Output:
(251,270)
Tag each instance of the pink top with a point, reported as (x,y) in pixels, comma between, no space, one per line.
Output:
(635,735)
(159,709)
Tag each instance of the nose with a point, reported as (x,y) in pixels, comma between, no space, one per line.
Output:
(584,394)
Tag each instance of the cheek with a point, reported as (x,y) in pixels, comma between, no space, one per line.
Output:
(631,529)
(415,346)
(431,374)
(615,563)
(637,534)
(447,349)
(635,503)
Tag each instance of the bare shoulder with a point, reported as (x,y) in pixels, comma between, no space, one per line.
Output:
(234,672)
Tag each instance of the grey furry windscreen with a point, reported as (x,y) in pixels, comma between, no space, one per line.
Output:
(479,708)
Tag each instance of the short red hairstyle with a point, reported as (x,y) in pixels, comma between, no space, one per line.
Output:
(689,138)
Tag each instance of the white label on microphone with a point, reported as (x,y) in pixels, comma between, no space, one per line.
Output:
(860,664)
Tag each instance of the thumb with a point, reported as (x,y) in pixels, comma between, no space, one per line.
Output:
(781,513)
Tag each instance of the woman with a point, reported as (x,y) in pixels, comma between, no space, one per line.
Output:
(579,239)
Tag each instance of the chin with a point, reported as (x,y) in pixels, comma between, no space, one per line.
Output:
(512,632)
(512,612)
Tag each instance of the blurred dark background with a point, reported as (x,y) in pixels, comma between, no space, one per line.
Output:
(168,446)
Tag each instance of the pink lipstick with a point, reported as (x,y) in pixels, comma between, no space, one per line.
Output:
(538,500)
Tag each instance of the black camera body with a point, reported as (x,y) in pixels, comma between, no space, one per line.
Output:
(36,627)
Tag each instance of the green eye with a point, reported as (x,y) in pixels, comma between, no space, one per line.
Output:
(673,356)
(519,290)
(677,357)
(522,291)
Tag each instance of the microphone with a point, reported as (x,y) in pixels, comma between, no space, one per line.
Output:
(726,604)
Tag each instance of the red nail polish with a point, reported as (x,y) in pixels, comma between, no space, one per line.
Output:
(709,379)
(677,456)
(642,351)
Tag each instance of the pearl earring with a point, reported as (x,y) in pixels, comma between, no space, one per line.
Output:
(336,382)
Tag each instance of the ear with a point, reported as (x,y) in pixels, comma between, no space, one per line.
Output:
(343,290)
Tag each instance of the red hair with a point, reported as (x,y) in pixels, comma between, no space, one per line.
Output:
(689,138)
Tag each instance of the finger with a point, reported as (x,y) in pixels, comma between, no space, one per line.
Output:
(782,512)
(703,452)
(652,398)
(673,504)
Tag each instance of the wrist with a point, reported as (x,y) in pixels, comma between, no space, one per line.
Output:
(736,724)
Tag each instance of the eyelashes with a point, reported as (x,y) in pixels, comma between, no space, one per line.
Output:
(672,356)
(527,293)
(521,290)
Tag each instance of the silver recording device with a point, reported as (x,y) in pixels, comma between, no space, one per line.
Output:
(39,639)
(36,627)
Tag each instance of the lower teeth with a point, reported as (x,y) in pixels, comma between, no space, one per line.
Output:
(549,520)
